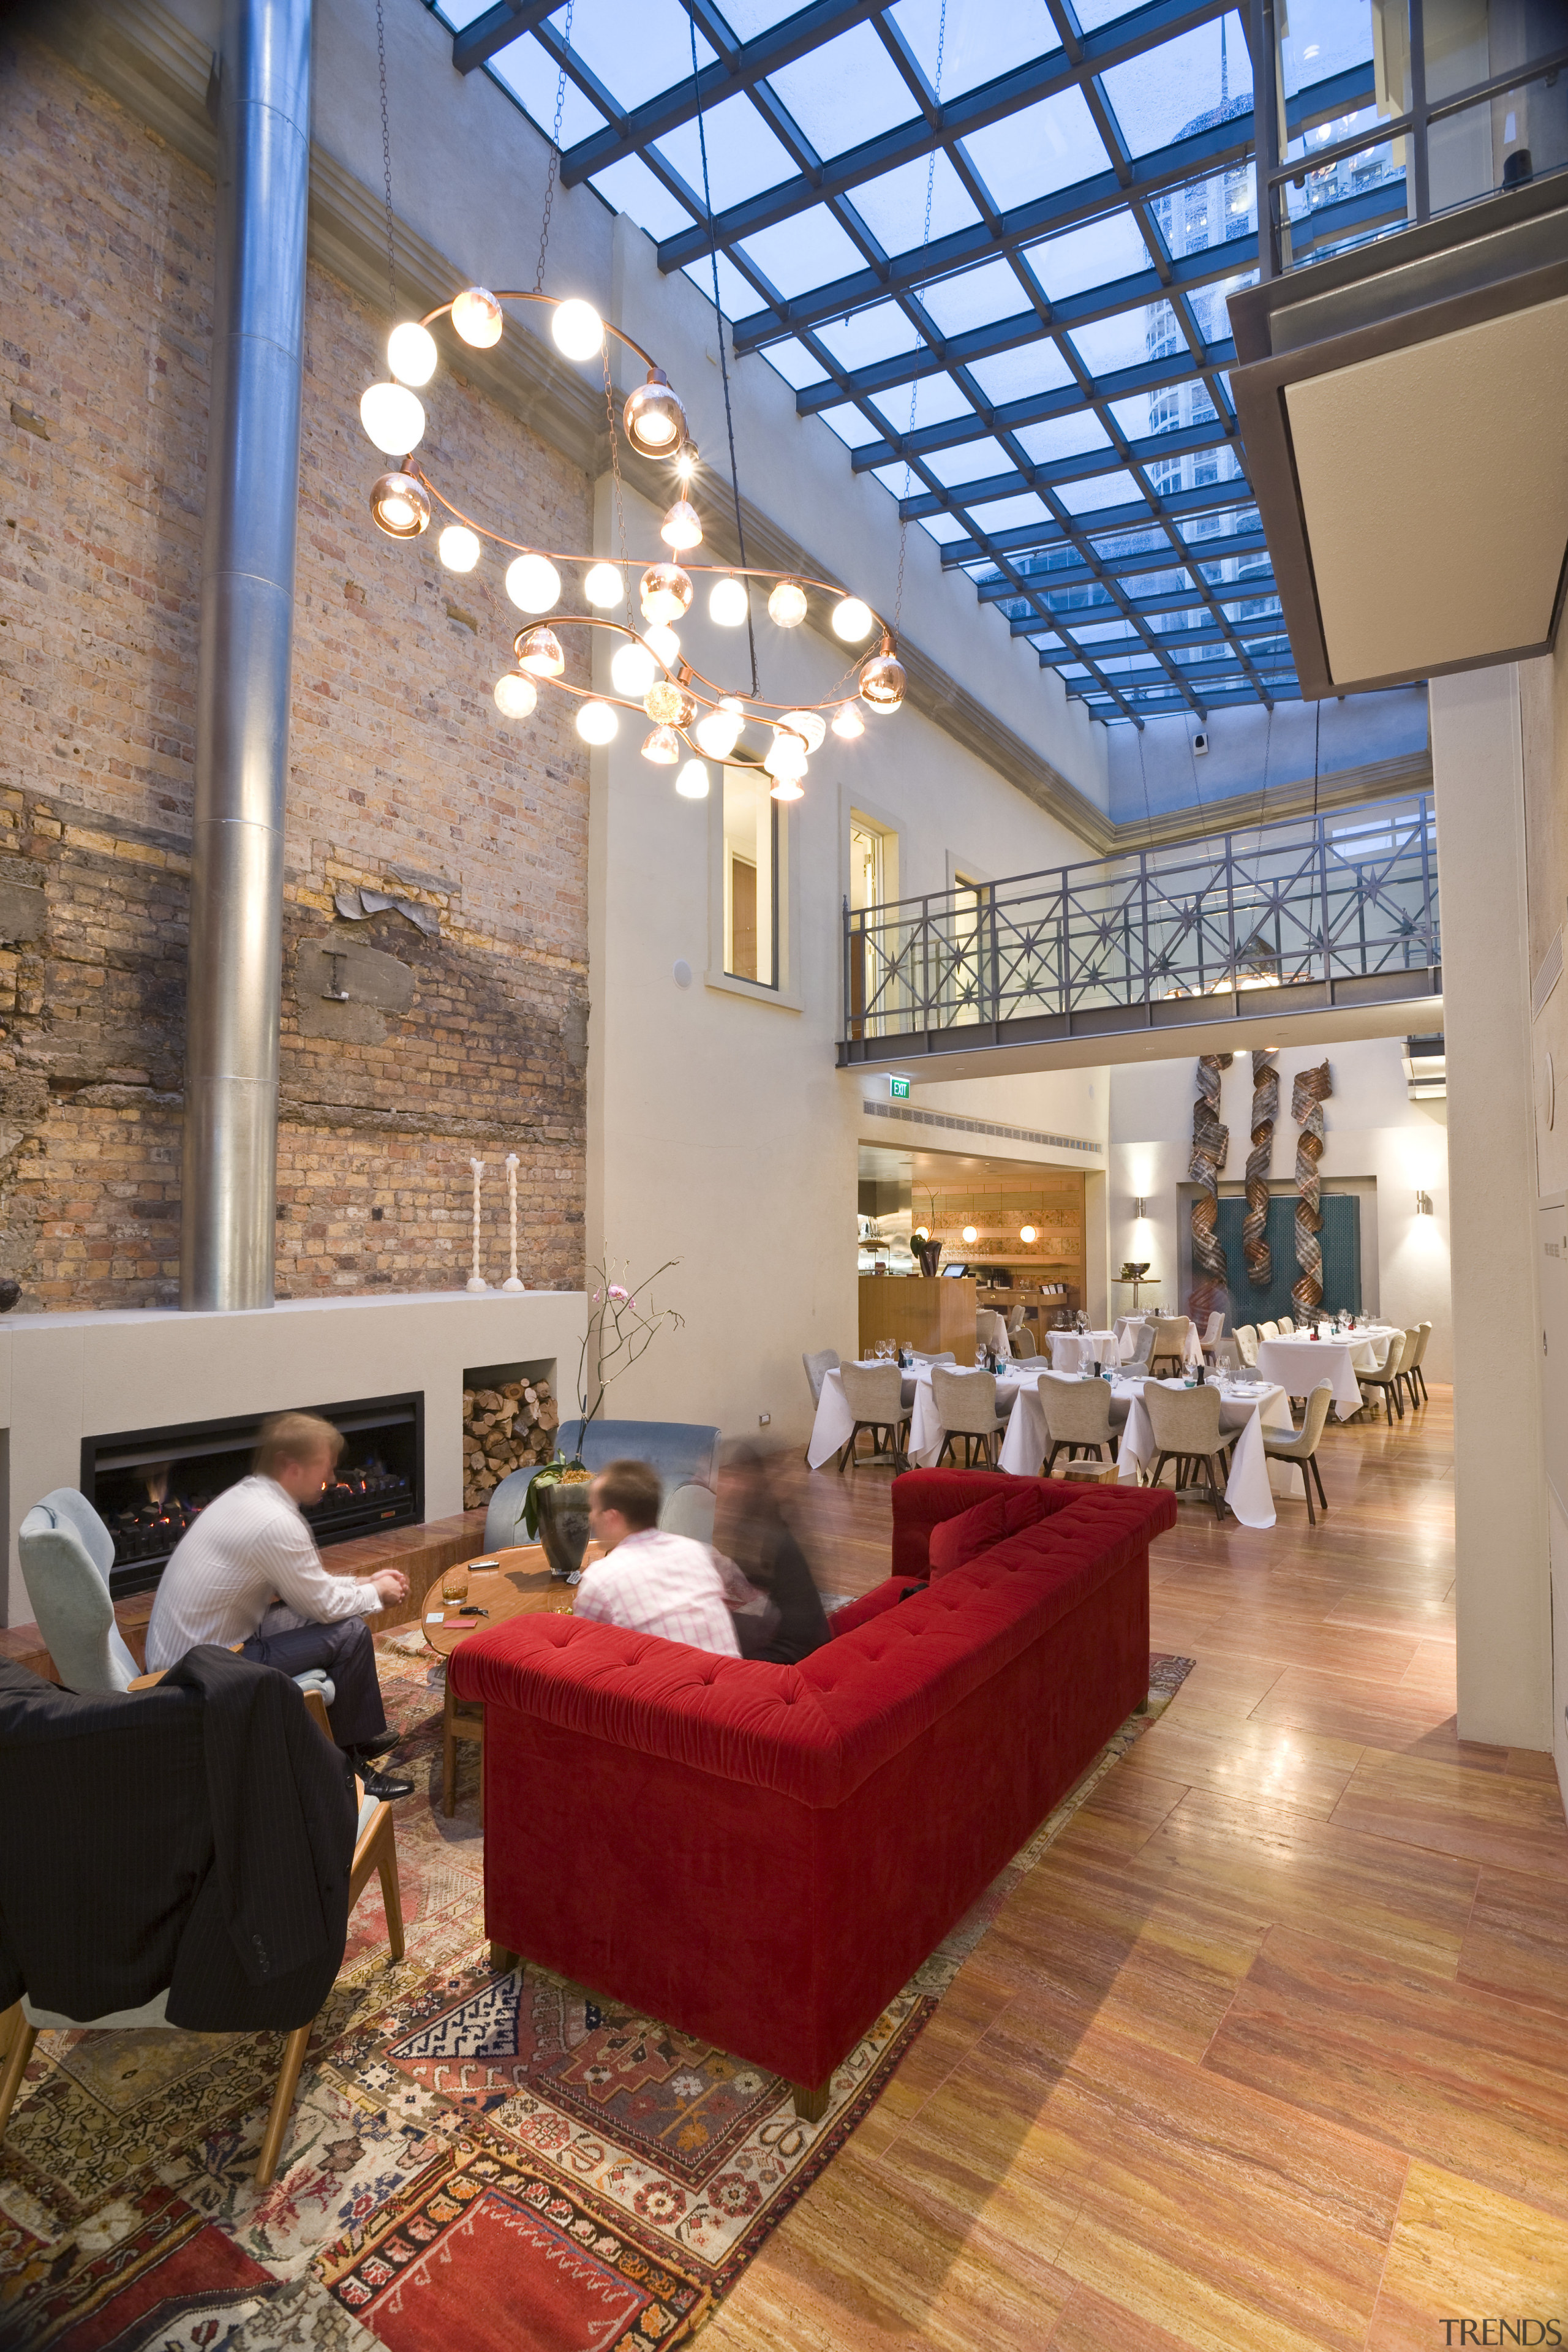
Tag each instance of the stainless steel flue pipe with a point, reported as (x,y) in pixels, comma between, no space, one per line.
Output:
(243,676)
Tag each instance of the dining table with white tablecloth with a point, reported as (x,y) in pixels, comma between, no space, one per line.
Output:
(1078,1352)
(834,1423)
(1300,1363)
(1247,1408)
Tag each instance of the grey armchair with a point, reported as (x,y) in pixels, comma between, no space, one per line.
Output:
(1078,1417)
(817,1367)
(1185,1426)
(66,1554)
(1301,1446)
(684,1452)
(967,1407)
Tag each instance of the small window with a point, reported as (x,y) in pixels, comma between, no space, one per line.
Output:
(750,878)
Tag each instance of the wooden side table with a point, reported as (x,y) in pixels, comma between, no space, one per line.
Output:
(515,1583)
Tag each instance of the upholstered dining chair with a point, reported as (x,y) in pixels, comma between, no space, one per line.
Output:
(1407,1364)
(1269,1330)
(1387,1380)
(817,1367)
(1185,1426)
(1024,1342)
(1078,1417)
(1228,1356)
(1301,1446)
(375,1852)
(1211,1332)
(1285,1328)
(1245,1337)
(1170,1346)
(875,1395)
(1415,1378)
(67,1553)
(946,1357)
(967,1407)
(1143,1347)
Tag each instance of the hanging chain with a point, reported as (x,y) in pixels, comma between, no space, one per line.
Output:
(915,386)
(719,331)
(554,164)
(386,158)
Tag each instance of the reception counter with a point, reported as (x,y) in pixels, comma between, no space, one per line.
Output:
(930,1312)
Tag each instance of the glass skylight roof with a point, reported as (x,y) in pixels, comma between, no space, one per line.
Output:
(1061,322)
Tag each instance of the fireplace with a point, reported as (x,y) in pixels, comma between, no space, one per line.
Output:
(148,1485)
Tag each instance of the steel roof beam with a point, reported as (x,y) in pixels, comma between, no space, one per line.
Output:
(497,29)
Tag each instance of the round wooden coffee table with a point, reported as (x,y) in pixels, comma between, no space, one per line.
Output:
(516,1583)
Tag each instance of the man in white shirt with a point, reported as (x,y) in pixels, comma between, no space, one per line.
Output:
(652,1581)
(248,1571)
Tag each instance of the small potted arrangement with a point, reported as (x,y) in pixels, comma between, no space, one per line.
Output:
(619,1333)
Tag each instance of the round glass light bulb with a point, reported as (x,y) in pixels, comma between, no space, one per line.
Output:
(393,418)
(598,722)
(848,723)
(515,696)
(970,1234)
(1025,1232)
(533,583)
(882,684)
(785,757)
(727,603)
(686,461)
(458,548)
(787,789)
(720,732)
(662,746)
(662,641)
(853,620)
(654,418)
(682,526)
(693,781)
(809,725)
(786,605)
(539,652)
(632,669)
(411,353)
(398,505)
(666,592)
(578,330)
(477,316)
(605,588)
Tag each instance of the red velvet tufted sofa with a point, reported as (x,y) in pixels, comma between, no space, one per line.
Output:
(761,1855)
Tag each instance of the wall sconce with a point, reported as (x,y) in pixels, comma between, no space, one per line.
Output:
(1422,1204)
(1140,1206)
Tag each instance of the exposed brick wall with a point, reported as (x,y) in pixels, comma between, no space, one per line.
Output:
(402,775)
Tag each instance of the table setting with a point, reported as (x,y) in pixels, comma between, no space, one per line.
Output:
(1299,1362)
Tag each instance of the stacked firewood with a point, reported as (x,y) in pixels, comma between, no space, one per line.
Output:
(505,1429)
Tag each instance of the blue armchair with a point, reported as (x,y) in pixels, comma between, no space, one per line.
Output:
(684,1452)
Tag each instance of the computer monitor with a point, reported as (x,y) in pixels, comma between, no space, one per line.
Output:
(955,1269)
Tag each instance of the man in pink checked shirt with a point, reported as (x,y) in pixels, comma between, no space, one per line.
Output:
(650,1580)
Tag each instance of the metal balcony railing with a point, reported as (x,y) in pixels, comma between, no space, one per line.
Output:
(1337,910)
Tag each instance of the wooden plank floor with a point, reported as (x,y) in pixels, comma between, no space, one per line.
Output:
(1271,2049)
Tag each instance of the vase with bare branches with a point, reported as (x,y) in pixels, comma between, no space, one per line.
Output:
(624,1321)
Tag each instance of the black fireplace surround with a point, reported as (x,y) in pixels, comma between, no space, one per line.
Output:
(148,1485)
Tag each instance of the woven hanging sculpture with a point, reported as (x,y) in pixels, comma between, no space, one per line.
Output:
(1308,1096)
(1254,1225)
(1211,1143)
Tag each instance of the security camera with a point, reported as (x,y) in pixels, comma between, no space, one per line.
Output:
(1200,742)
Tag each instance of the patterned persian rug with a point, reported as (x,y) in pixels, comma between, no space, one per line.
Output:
(494,2163)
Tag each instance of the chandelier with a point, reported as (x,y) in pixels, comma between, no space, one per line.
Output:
(692,718)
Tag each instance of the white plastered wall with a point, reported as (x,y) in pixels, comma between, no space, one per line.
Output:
(1373,1131)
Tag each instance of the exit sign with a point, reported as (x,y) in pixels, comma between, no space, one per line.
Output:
(898,1089)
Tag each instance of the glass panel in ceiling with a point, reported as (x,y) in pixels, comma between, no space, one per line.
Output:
(1327,36)
(943,528)
(747,19)
(795,363)
(636,49)
(1022,374)
(981,41)
(845,92)
(1010,514)
(743,156)
(882,333)
(937,401)
(736,294)
(852,428)
(1101,493)
(980,298)
(1130,338)
(630,187)
(1097,254)
(974,461)
(1062,437)
(893,205)
(531,74)
(799,255)
(1047,146)
(1174,91)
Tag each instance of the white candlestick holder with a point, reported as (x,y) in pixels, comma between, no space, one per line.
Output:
(476,1280)
(513,1281)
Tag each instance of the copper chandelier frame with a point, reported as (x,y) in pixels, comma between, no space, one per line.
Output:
(681,702)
